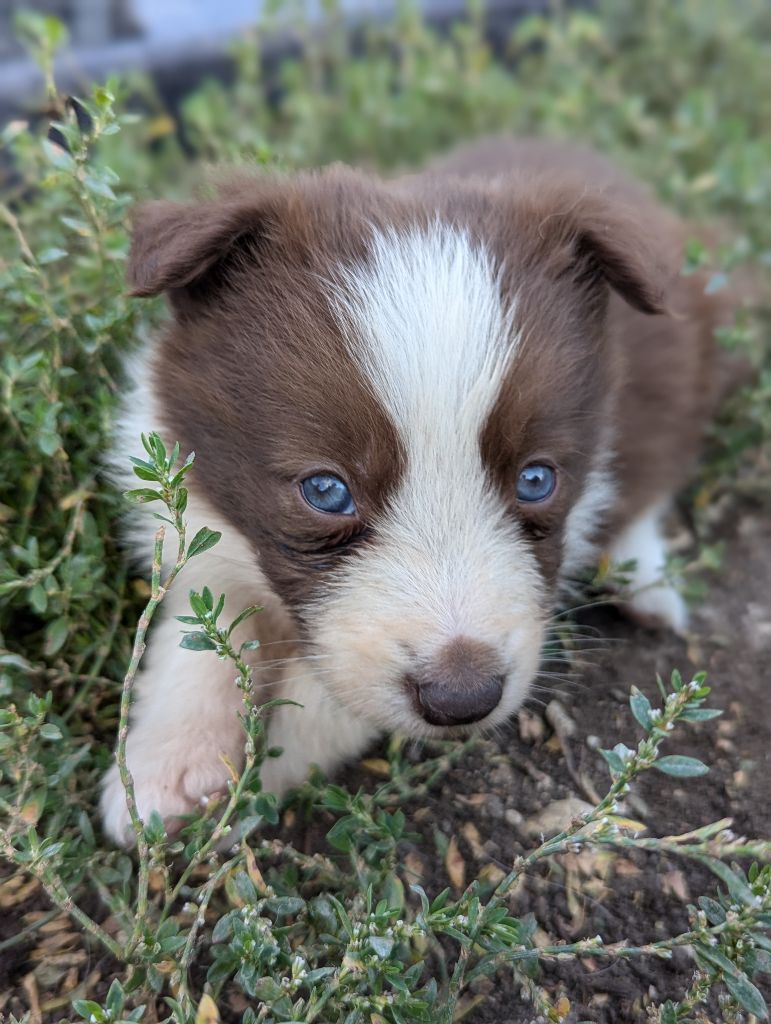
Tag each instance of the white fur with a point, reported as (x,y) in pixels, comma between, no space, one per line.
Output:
(651,597)
(425,319)
(585,517)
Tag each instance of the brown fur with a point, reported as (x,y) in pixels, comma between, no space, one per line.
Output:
(426,610)
(256,378)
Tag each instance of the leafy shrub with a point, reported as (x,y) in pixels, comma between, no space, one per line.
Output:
(681,93)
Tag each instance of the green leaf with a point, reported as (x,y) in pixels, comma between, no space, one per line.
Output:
(340,836)
(700,714)
(145,470)
(745,994)
(51,255)
(38,599)
(736,885)
(197,642)
(203,540)
(50,732)
(614,761)
(242,616)
(56,635)
(641,708)
(668,1013)
(381,945)
(142,495)
(58,156)
(88,1009)
(681,767)
(115,998)
(286,906)
(713,910)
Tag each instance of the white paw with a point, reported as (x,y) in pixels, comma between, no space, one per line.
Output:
(659,605)
(166,784)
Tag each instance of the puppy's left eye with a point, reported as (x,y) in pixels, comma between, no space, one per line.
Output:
(536,482)
(328,493)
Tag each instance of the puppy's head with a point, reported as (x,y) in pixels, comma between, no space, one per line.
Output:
(402,400)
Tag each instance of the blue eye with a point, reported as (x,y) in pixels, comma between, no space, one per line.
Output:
(536,482)
(328,493)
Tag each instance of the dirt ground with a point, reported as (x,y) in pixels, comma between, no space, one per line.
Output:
(492,806)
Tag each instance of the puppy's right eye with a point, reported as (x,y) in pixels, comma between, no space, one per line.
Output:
(328,493)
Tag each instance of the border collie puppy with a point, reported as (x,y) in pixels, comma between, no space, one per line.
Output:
(418,408)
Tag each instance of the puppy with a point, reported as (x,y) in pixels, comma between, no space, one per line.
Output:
(419,408)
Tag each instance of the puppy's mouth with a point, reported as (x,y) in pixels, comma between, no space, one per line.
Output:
(454,708)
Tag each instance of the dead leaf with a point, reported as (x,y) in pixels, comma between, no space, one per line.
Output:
(560,720)
(531,727)
(157,880)
(674,882)
(554,744)
(473,799)
(625,867)
(207,1012)
(471,835)
(233,772)
(562,1007)
(413,867)
(466,1006)
(556,816)
(377,766)
(492,873)
(29,984)
(289,818)
(57,924)
(253,871)
(16,890)
(455,865)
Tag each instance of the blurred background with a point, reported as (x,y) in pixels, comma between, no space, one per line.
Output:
(179,40)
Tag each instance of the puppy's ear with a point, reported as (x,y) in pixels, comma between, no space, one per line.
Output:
(175,245)
(598,239)
(635,256)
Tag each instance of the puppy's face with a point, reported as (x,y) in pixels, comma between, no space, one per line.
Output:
(406,408)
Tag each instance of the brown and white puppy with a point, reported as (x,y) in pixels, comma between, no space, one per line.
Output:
(418,407)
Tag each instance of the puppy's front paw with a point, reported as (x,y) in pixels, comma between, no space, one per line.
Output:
(659,606)
(168,785)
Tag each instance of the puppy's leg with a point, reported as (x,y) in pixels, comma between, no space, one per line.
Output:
(184,719)
(321,732)
(652,599)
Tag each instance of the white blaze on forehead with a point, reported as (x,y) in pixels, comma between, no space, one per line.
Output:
(425,320)
(430,329)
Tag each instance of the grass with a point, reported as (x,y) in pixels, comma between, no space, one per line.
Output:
(681,93)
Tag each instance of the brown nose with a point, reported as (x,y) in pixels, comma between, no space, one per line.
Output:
(461,685)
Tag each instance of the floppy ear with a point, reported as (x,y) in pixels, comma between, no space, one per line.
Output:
(600,239)
(175,245)
(636,257)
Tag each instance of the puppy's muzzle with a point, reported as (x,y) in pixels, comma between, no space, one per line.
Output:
(461,685)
